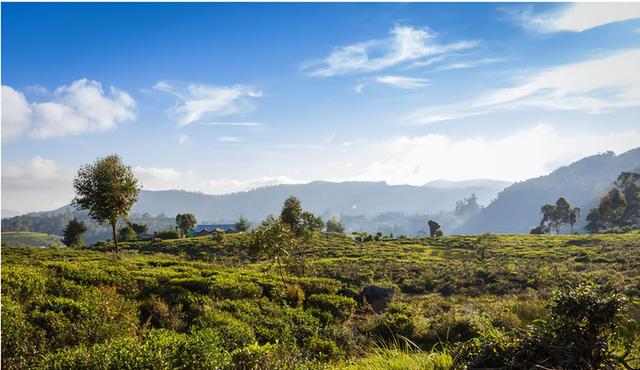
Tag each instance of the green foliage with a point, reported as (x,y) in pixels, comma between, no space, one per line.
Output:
(291,214)
(138,228)
(242,225)
(127,234)
(107,189)
(311,222)
(185,222)
(294,295)
(619,208)
(73,233)
(29,239)
(168,234)
(272,240)
(334,225)
(218,236)
(197,303)
(557,216)
(340,308)
(583,321)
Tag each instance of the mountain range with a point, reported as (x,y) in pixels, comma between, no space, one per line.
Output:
(320,197)
(378,206)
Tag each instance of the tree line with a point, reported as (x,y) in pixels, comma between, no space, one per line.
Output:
(617,211)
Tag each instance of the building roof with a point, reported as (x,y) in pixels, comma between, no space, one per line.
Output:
(210,228)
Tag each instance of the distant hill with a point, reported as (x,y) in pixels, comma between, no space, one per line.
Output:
(6,213)
(517,208)
(321,197)
(30,239)
(486,183)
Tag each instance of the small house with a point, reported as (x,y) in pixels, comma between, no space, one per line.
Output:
(208,229)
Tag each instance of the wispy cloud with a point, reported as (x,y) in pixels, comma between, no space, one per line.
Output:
(575,17)
(469,64)
(402,82)
(81,107)
(182,139)
(233,124)
(592,86)
(198,101)
(405,44)
(230,139)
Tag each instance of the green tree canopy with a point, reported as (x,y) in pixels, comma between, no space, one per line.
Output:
(334,225)
(273,240)
(185,222)
(127,233)
(73,233)
(107,189)
(138,228)
(291,214)
(311,222)
(557,216)
(242,225)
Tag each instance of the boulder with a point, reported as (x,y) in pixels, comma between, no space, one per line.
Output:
(378,297)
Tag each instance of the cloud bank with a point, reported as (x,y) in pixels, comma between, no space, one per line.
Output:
(78,108)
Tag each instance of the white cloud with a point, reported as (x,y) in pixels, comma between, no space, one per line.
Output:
(405,44)
(182,139)
(230,139)
(154,178)
(197,101)
(233,124)
(402,82)
(37,185)
(529,153)
(469,64)
(16,113)
(78,108)
(593,86)
(577,17)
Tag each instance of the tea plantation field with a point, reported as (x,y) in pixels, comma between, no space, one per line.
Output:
(491,301)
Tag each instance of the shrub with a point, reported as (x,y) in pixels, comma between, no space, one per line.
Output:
(218,236)
(22,342)
(294,295)
(98,315)
(23,283)
(158,314)
(167,234)
(232,332)
(340,307)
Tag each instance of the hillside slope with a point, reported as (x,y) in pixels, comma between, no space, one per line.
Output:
(517,208)
(321,197)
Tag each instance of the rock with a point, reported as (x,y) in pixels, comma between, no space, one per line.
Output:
(378,297)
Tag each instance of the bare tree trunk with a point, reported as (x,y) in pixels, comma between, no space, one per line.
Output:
(115,237)
(280,270)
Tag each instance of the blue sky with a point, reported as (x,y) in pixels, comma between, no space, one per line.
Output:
(226,97)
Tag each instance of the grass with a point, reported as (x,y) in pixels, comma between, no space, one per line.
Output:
(63,301)
(30,239)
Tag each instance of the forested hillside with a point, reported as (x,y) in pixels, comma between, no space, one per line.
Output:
(517,208)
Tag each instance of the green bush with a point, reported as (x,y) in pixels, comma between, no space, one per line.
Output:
(294,295)
(22,342)
(340,307)
(168,234)
(231,332)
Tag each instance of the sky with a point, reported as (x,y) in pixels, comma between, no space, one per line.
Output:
(227,97)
